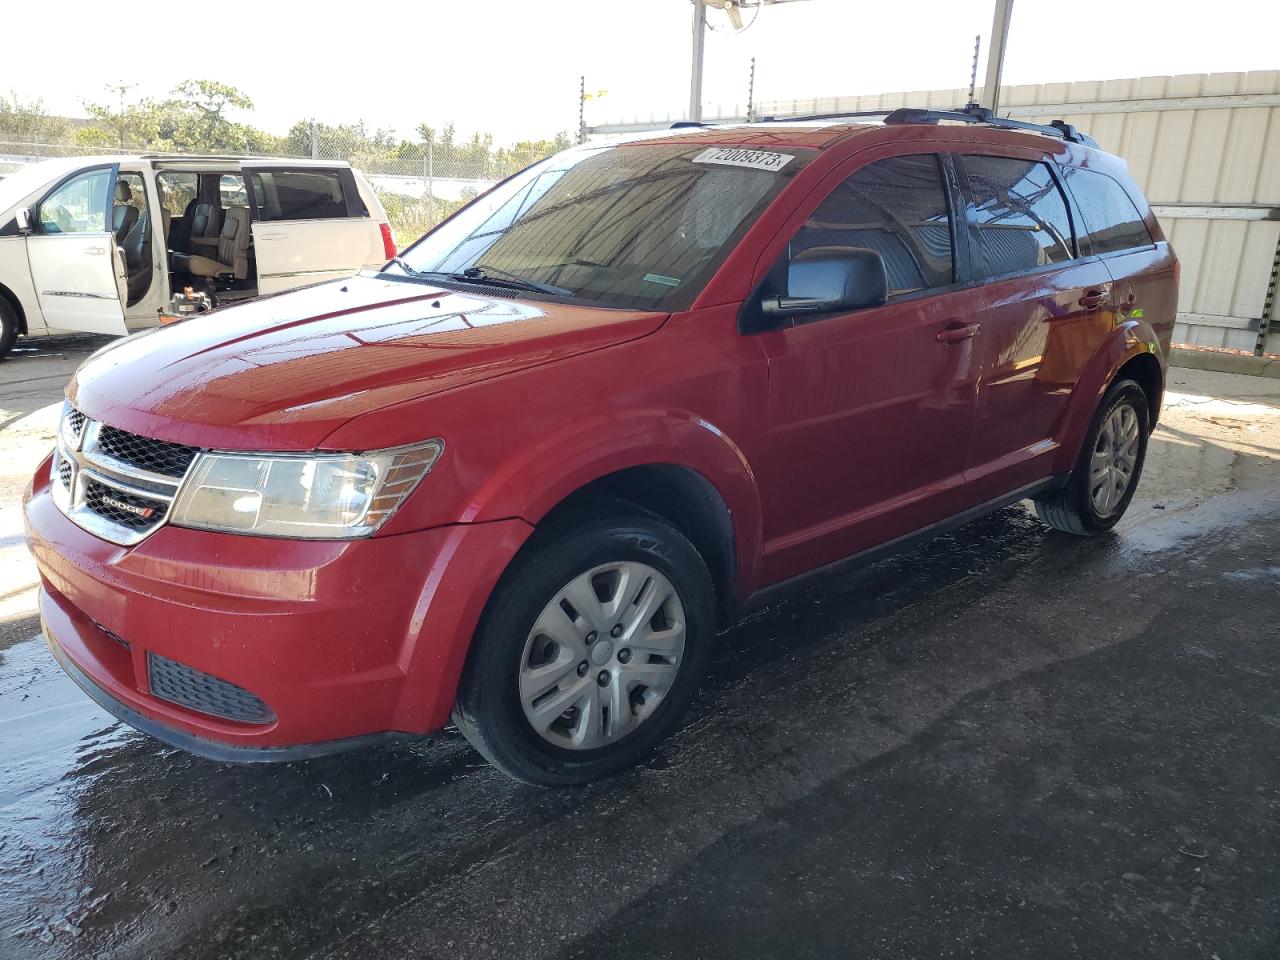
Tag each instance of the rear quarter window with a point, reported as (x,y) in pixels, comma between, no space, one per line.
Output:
(1111,218)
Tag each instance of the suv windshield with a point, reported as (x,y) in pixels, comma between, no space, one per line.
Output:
(635,226)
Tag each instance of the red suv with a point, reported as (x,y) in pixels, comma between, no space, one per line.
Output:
(524,474)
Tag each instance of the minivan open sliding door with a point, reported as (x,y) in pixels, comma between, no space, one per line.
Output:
(308,224)
(75,267)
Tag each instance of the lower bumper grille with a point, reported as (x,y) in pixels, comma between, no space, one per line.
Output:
(195,690)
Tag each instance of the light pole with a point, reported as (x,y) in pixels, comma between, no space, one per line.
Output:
(699,41)
(995,54)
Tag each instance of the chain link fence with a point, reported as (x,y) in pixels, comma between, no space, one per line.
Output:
(418,184)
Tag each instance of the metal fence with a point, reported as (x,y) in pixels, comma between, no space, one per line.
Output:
(418,184)
(1205,148)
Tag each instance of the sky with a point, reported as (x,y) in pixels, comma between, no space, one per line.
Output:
(511,67)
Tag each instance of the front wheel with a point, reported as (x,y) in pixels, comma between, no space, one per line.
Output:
(8,327)
(590,649)
(1105,476)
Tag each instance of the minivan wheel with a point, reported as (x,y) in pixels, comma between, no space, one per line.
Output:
(1106,473)
(590,650)
(8,327)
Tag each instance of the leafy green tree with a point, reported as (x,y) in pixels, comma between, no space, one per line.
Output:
(344,140)
(123,124)
(194,119)
(29,122)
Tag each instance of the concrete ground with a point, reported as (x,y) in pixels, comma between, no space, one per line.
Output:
(1006,743)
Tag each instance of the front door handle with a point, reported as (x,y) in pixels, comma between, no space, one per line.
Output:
(1093,299)
(958,331)
(94,251)
(274,236)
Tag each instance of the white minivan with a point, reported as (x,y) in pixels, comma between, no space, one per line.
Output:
(100,244)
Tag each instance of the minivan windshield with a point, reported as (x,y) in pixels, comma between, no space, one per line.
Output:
(641,225)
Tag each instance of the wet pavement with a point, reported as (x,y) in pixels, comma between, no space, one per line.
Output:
(1006,743)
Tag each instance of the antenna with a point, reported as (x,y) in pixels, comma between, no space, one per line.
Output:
(973,74)
(751,93)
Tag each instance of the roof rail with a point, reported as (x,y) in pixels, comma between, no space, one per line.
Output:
(825,116)
(975,114)
(970,113)
(681,124)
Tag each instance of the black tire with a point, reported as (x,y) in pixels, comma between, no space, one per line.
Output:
(488,710)
(1071,509)
(8,327)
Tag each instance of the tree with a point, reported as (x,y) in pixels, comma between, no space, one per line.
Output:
(345,140)
(519,155)
(29,122)
(194,119)
(121,124)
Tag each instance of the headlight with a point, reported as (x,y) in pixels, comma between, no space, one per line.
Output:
(329,496)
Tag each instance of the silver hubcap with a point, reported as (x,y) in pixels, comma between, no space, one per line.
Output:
(602,655)
(1115,456)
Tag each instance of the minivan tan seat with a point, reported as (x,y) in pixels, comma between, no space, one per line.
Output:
(233,250)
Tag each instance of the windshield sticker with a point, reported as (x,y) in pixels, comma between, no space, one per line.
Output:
(665,281)
(741,157)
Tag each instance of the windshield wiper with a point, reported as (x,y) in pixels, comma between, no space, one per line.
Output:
(491,276)
(411,271)
(496,276)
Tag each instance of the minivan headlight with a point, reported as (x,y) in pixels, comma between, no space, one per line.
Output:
(325,496)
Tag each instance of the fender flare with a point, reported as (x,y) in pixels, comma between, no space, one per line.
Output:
(1130,339)
(530,484)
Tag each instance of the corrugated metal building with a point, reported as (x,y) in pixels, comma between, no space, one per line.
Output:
(1206,150)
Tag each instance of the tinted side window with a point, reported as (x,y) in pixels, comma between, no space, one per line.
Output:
(299,195)
(897,207)
(1110,216)
(1022,218)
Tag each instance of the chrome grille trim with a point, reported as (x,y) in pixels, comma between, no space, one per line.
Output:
(79,457)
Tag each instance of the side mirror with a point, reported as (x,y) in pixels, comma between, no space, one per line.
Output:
(824,280)
(23,217)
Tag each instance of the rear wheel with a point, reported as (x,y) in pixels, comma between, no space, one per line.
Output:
(1106,473)
(8,327)
(590,650)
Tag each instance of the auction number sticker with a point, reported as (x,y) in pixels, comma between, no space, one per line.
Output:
(741,157)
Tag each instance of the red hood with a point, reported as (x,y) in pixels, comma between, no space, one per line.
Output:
(282,373)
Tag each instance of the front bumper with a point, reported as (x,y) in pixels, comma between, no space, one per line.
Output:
(342,641)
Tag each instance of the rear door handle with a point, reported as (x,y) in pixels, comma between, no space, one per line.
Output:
(957,331)
(94,251)
(275,236)
(1093,299)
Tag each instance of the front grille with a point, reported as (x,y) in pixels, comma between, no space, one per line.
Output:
(191,688)
(158,456)
(115,484)
(125,509)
